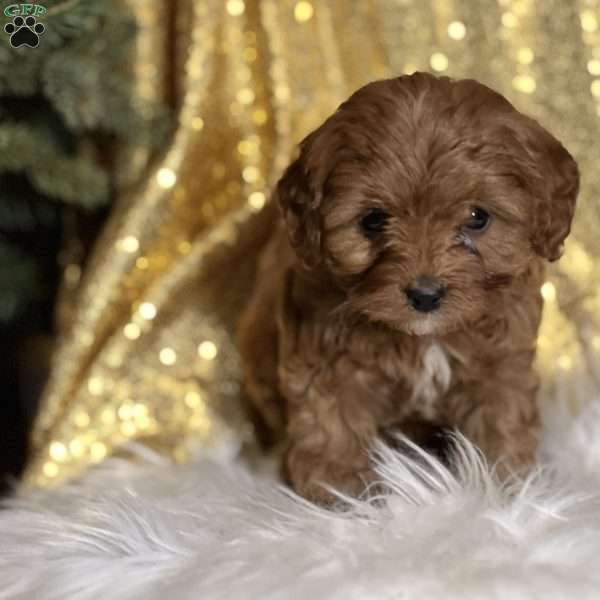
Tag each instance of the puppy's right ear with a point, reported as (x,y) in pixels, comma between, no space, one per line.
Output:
(299,202)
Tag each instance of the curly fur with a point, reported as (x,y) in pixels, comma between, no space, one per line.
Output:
(348,358)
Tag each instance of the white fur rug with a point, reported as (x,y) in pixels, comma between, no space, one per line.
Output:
(213,530)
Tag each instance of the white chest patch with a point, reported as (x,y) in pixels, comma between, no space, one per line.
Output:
(434,379)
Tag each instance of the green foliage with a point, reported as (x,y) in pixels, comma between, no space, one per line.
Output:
(64,107)
(18,276)
(65,21)
(73,179)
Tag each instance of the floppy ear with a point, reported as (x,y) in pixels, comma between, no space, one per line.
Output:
(555,187)
(299,203)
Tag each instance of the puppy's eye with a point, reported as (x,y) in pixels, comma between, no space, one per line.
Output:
(374,221)
(478,220)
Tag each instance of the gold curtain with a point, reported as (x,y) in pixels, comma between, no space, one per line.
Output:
(148,351)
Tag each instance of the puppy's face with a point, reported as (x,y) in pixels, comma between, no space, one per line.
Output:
(423,198)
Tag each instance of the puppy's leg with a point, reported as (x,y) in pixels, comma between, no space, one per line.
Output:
(330,406)
(330,431)
(500,417)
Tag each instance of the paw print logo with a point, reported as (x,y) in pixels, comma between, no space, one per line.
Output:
(24,32)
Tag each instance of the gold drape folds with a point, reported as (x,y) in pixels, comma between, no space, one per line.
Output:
(149,354)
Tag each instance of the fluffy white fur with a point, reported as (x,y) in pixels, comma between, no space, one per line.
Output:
(213,530)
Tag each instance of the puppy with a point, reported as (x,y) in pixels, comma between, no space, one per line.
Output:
(400,289)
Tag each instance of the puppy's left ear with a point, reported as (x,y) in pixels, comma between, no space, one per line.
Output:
(555,185)
(299,202)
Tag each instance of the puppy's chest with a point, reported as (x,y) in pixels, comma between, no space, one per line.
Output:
(431,379)
(420,375)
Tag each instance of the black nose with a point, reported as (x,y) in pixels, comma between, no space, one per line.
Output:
(425,294)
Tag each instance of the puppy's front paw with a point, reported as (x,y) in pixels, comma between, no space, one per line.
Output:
(350,484)
(313,480)
(514,465)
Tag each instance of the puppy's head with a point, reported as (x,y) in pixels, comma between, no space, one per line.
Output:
(423,197)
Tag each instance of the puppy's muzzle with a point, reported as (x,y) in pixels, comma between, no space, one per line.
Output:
(425,294)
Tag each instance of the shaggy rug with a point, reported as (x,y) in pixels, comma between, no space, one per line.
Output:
(214,529)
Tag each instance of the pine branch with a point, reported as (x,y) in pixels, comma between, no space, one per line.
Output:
(62,7)
(81,67)
(62,105)
(21,212)
(71,179)
(64,22)
(91,94)
(18,281)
